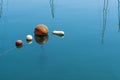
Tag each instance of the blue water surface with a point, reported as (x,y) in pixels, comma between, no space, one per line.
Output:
(89,50)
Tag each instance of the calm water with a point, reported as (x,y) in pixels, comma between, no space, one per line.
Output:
(90,49)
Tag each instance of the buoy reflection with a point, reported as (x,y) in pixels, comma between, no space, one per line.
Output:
(105,11)
(20,46)
(29,42)
(61,36)
(41,39)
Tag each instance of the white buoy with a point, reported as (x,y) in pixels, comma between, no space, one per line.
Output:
(29,37)
(60,33)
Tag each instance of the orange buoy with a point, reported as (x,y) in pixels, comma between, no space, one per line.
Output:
(41,30)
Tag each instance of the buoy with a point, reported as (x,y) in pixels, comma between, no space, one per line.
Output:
(19,43)
(59,33)
(29,37)
(41,30)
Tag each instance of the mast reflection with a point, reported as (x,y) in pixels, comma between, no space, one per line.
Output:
(118,15)
(105,10)
(1,4)
(52,7)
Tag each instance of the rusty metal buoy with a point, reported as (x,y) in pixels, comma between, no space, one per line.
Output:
(41,30)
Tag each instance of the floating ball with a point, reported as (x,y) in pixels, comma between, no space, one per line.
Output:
(41,30)
(19,43)
(29,37)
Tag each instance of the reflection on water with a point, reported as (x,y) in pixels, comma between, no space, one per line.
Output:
(43,57)
(1,3)
(41,39)
(19,46)
(105,10)
(7,51)
(29,42)
(61,36)
(118,15)
(54,58)
(52,7)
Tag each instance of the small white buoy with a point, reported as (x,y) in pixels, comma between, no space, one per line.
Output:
(29,37)
(60,33)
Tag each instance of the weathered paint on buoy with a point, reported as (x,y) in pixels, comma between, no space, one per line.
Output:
(41,30)
(19,43)
(29,37)
(60,33)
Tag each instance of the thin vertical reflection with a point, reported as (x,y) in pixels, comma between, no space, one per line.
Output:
(118,15)
(52,7)
(3,26)
(1,4)
(105,10)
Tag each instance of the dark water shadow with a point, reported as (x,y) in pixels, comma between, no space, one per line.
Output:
(118,15)
(42,40)
(1,8)
(105,11)
(43,57)
(51,2)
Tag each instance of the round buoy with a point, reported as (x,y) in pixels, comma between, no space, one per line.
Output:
(41,30)
(19,43)
(29,38)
